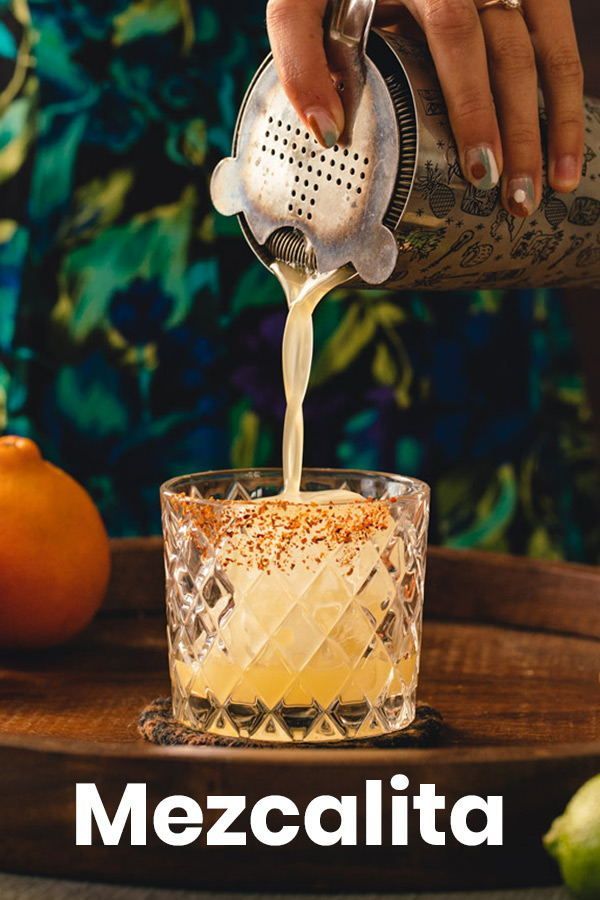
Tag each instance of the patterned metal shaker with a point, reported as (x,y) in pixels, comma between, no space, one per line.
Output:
(389,200)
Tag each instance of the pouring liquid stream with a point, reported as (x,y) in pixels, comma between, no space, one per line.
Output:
(303,292)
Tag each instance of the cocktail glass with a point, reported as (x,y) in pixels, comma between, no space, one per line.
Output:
(291,622)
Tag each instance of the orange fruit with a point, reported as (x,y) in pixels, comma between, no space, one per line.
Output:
(54,552)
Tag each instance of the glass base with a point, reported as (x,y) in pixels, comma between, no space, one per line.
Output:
(296,724)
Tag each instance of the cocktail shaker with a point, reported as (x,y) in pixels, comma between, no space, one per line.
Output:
(389,200)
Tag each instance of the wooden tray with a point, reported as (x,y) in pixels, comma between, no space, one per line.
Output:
(511,657)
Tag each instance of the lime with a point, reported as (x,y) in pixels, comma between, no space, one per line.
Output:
(574,842)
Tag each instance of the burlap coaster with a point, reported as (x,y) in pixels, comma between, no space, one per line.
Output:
(156,724)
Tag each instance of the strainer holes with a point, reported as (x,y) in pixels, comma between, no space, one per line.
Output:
(315,187)
(300,164)
(309,215)
(299,212)
(335,148)
(349,186)
(281,155)
(304,149)
(275,137)
(346,151)
(288,127)
(352,171)
(312,154)
(297,178)
(319,173)
(312,201)
(285,142)
(355,157)
(290,160)
(306,136)
(293,193)
(272,152)
(279,124)
(362,175)
(322,157)
(366,160)
(309,168)
(342,166)
(338,181)
(263,148)
(294,146)
(332,162)
(359,190)
(270,119)
(267,134)
(303,197)
(306,183)
(329,176)
(297,132)
(290,207)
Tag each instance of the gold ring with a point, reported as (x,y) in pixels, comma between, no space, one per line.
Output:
(504,4)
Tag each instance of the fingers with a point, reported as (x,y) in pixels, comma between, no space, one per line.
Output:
(559,65)
(296,36)
(514,82)
(455,38)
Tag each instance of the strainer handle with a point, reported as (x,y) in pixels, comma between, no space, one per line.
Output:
(346,34)
(349,22)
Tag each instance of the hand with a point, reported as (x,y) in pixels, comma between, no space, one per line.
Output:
(488,62)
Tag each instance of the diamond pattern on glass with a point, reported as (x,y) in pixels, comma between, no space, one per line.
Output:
(323,649)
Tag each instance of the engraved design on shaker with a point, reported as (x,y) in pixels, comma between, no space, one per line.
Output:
(584,211)
(588,157)
(501,275)
(575,243)
(433,101)
(537,245)
(476,202)
(477,253)
(453,161)
(588,256)
(553,207)
(421,243)
(503,218)
(432,187)
(458,244)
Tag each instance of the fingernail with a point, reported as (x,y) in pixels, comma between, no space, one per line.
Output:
(566,173)
(481,167)
(520,196)
(322,126)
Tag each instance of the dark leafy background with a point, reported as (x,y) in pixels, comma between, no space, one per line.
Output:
(139,338)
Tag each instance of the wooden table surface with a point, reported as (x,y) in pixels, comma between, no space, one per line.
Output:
(15,887)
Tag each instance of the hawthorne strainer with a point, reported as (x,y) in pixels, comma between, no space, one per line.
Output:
(389,200)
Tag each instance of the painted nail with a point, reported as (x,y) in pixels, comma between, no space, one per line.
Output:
(566,173)
(481,167)
(520,196)
(322,126)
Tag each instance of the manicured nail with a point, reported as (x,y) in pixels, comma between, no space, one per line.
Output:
(481,167)
(322,126)
(566,173)
(520,196)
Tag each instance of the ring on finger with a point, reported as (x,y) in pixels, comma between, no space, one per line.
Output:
(516,5)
